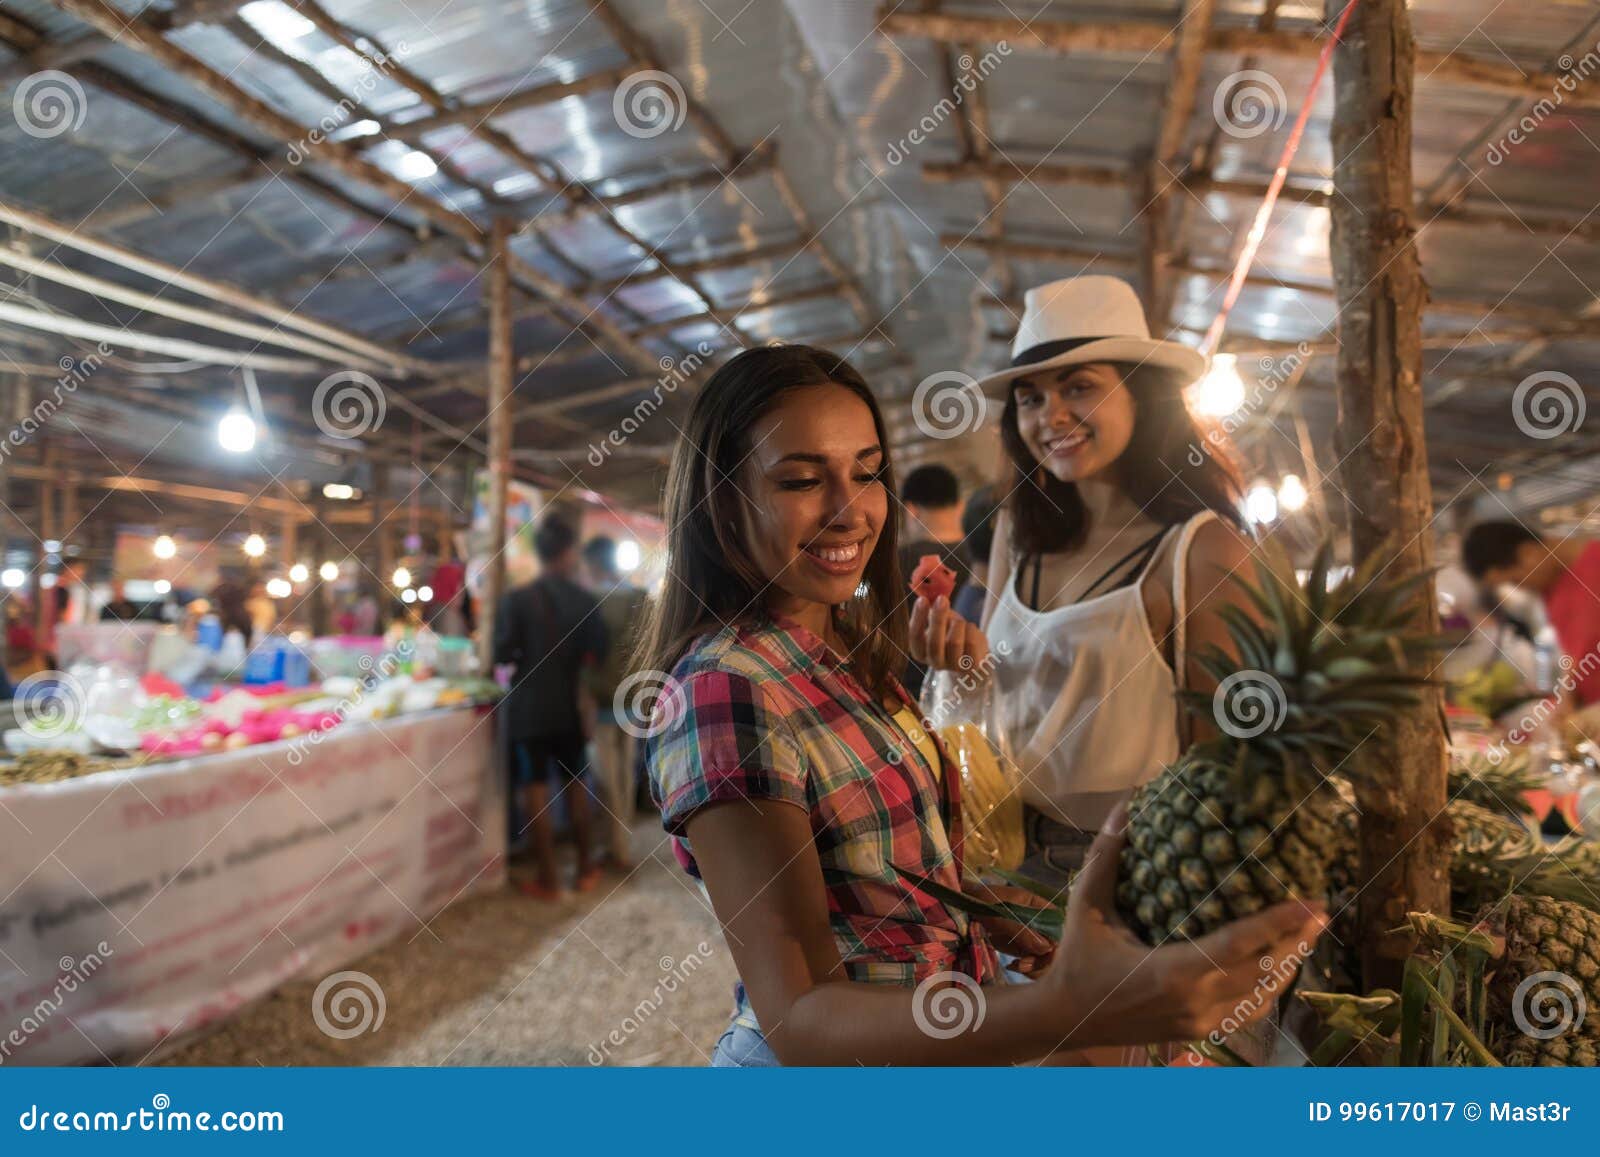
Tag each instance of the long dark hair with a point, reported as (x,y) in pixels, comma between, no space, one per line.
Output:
(1172,468)
(711,578)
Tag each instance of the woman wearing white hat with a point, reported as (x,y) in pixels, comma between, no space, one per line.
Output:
(1118,533)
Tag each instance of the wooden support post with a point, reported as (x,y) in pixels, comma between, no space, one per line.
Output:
(1405,855)
(502,356)
(382,512)
(288,545)
(44,598)
(1166,164)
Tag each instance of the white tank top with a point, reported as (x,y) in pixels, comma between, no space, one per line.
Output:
(1084,698)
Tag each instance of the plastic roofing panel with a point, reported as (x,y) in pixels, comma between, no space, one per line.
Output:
(1553,161)
(700,223)
(480,51)
(1101,105)
(582,134)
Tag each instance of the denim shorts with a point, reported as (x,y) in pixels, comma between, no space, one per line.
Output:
(742,1046)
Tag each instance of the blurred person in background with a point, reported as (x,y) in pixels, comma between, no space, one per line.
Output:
(119,608)
(23,657)
(977,540)
(262,609)
(622,609)
(550,631)
(228,602)
(449,581)
(931,500)
(1565,576)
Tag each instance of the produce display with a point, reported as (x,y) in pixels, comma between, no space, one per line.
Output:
(53,766)
(102,718)
(932,580)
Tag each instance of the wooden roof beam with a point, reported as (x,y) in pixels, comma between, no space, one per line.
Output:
(1111,176)
(1150,38)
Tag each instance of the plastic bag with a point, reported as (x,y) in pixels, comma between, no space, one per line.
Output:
(957,706)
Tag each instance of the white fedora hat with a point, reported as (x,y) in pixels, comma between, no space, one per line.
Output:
(1079,320)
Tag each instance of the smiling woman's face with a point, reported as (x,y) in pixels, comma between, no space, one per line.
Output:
(815,503)
(1076,421)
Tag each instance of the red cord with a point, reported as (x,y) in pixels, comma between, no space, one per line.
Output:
(1258,228)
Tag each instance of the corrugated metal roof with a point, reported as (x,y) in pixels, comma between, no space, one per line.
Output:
(854,117)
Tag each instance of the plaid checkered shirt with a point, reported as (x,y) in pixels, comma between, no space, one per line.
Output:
(764,710)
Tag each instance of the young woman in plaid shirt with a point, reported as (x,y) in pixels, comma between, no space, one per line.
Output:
(789,767)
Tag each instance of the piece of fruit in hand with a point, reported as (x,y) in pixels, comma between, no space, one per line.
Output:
(932,580)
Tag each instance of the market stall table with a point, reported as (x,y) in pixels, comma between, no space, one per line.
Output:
(138,906)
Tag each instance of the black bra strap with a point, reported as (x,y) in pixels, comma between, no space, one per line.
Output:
(1144,552)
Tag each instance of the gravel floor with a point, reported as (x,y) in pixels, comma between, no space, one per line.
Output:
(617,976)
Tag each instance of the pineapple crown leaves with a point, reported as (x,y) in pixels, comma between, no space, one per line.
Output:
(1313,671)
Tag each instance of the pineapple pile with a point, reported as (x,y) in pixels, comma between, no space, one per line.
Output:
(1253,816)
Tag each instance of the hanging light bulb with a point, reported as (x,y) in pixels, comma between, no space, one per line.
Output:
(237,432)
(1221,391)
(11,578)
(628,555)
(329,571)
(299,572)
(279,588)
(425,594)
(408,595)
(161,587)
(1261,503)
(255,546)
(164,547)
(401,577)
(1291,494)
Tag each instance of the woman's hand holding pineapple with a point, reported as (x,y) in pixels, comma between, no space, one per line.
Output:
(1105,986)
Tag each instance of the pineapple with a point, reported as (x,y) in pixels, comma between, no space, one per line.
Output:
(1545,936)
(1576,1050)
(1252,817)
(1496,786)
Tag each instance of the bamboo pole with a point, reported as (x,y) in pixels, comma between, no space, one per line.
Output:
(1160,177)
(501,357)
(1405,855)
(214,291)
(1518,218)
(1143,38)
